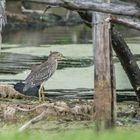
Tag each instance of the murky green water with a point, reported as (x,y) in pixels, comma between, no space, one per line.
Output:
(74,75)
(51,35)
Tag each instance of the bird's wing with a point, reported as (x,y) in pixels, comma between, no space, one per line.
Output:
(42,73)
(45,73)
(34,69)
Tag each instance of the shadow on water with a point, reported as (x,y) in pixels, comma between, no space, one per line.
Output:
(85,93)
(13,63)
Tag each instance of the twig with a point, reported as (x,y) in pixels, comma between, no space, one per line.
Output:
(25,110)
(32,121)
(34,108)
(126,22)
(24,10)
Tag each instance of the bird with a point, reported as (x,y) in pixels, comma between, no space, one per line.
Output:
(41,73)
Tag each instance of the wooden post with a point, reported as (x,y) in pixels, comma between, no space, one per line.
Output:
(103,80)
(2,18)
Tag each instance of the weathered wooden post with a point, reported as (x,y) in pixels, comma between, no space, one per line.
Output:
(103,80)
(2,18)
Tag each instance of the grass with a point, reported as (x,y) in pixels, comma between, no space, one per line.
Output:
(83,134)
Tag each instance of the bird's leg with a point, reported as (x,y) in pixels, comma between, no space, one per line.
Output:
(41,93)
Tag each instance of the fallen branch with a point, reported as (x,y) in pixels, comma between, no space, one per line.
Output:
(89,5)
(33,109)
(30,11)
(127,10)
(128,61)
(32,121)
(25,110)
(126,22)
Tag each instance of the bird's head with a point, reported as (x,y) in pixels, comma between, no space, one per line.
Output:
(56,55)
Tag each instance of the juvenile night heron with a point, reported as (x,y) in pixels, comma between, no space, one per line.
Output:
(41,73)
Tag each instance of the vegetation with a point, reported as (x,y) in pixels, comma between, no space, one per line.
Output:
(83,134)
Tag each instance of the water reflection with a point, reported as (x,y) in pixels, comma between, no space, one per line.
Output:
(50,35)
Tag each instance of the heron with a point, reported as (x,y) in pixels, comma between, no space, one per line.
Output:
(41,73)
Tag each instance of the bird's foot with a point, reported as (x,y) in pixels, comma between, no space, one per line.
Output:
(41,97)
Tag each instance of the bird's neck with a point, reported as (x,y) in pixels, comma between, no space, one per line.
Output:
(52,59)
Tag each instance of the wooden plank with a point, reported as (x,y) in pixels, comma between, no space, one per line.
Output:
(103,80)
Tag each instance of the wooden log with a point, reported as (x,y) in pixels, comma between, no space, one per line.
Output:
(128,61)
(113,8)
(57,2)
(127,22)
(91,5)
(103,77)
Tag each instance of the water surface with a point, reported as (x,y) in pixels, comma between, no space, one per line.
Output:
(75,74)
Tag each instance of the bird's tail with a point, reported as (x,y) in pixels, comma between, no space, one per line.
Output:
(26,87)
